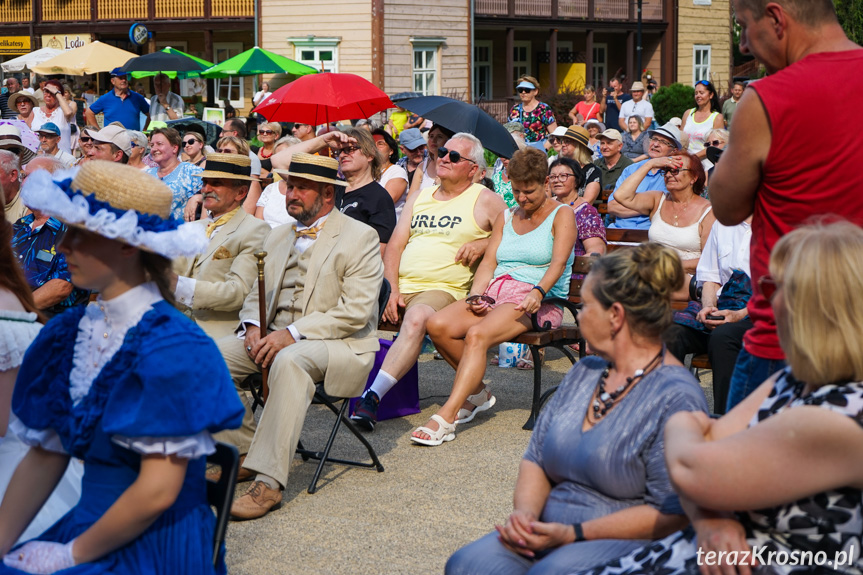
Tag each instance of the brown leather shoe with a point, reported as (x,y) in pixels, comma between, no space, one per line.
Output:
(256,502)
(214,473)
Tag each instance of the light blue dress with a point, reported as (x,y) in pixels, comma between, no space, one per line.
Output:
(183,184)
(617,464)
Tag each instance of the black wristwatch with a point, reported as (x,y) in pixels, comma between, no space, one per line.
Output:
(539,289)
(579,532)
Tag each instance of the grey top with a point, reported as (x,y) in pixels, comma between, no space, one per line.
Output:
(620,462)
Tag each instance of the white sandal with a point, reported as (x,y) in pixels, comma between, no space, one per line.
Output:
(444,432)
(481,402)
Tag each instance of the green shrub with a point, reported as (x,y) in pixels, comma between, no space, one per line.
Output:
(563,101)
(672,101)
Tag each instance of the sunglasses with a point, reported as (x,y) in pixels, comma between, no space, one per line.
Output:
(715,143)
(226,151)
(454,156)
(767,286)
(189,142)
(523,90)
(84,140)
(673,171)
(560,177)
(266,132)
(345,151)
(704,83)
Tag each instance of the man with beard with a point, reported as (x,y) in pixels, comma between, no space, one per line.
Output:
(214,285)
(322,280)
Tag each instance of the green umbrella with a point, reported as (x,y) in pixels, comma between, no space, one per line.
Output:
(257,61)
(172,75)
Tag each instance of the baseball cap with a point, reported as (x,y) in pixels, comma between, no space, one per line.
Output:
(611,134)
(113,133)
(118,72)
(48,128)
(411,139)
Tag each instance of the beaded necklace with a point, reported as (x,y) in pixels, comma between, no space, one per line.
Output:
(605,400)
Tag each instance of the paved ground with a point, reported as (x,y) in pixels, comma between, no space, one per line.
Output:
(429,502)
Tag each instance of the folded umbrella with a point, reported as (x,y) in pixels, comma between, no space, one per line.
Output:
(460,116)
(323,98)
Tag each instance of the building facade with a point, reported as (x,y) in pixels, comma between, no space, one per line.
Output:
(704,42)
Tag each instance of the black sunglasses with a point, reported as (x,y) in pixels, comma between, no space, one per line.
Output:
(454,156)
(189,142)
(715,143)
(673,171)
(266,132)
(84,139)
(523,90)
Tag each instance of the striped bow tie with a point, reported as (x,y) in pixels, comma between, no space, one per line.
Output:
(311,233)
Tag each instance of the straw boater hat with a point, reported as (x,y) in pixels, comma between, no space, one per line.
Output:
(118,202)
(13,99)
(10,139)
(578,134)
(227,166)
(316,168)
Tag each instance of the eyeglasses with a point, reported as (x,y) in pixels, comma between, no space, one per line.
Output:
(189,142)
(134,145)
(226,151)
(715,143)
(523,90)
(662,141)
(347,151)
(560,177)
(266,132)
(767,285)
(84,140)
(673,171)
(454,156)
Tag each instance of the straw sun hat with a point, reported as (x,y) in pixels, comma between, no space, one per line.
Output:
(316,168)
(118,202)
(227,166)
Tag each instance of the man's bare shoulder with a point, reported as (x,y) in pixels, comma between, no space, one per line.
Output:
(489,199)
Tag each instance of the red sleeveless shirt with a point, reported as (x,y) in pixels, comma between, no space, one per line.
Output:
(814,167)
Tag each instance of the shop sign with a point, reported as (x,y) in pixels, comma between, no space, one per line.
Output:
(65,41)
(14,44)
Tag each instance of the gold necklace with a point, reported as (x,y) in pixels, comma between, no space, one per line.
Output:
(676,212)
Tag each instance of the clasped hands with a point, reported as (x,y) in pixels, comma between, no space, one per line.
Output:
(263,351)
(729,315)
(524,535)
(42,557)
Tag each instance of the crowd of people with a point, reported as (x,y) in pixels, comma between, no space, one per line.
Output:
(129,259)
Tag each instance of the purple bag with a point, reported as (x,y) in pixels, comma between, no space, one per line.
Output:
(404,398)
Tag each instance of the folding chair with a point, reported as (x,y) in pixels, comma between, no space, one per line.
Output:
(220,494)
(323,398)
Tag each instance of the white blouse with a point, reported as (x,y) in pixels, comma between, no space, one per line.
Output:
(101,332)
(275,209)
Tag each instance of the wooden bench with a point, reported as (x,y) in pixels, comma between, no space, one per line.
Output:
(540,337)
(601,203)
(624,238)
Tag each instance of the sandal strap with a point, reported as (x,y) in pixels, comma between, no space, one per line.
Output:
(480,397)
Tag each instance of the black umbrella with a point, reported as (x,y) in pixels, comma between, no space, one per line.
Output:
(162,62)
(210,130)
(404,96)
(463,117)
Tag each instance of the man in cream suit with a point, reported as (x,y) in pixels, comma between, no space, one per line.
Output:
(214,285)
(322,283)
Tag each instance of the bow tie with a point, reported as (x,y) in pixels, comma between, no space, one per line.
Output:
(311,233)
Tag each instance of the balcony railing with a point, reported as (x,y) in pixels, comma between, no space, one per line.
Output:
(16,10)
(21,11)
(620,10)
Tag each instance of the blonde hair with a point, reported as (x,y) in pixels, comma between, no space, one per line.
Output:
(642,281)
(274,126)
(241,145)
(820,270)
(583,155)
(367,146)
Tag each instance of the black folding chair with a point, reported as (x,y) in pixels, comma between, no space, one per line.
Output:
(220,494)
(323,398)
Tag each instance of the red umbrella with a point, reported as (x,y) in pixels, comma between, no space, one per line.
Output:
(323,98)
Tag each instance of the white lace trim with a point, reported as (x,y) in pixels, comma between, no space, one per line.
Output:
(16,336)
(199,445)
(41,192)
(47,439)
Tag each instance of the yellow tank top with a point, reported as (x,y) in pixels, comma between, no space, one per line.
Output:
(438,230)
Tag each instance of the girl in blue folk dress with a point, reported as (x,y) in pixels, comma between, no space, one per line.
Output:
(127,384)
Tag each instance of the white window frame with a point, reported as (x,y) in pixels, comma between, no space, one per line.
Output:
(233,48)
(516,64)
(487,64)
(701,71)
(600,69)
(317,45)
(429,72)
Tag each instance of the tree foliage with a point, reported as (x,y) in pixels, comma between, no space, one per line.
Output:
(671,101)
(850,14)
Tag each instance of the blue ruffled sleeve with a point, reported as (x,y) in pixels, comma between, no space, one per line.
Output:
(176,384)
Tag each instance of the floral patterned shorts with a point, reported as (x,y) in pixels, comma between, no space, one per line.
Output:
(504,289)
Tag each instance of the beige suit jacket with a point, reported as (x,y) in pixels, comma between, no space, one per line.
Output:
(224,273)
(340,299)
